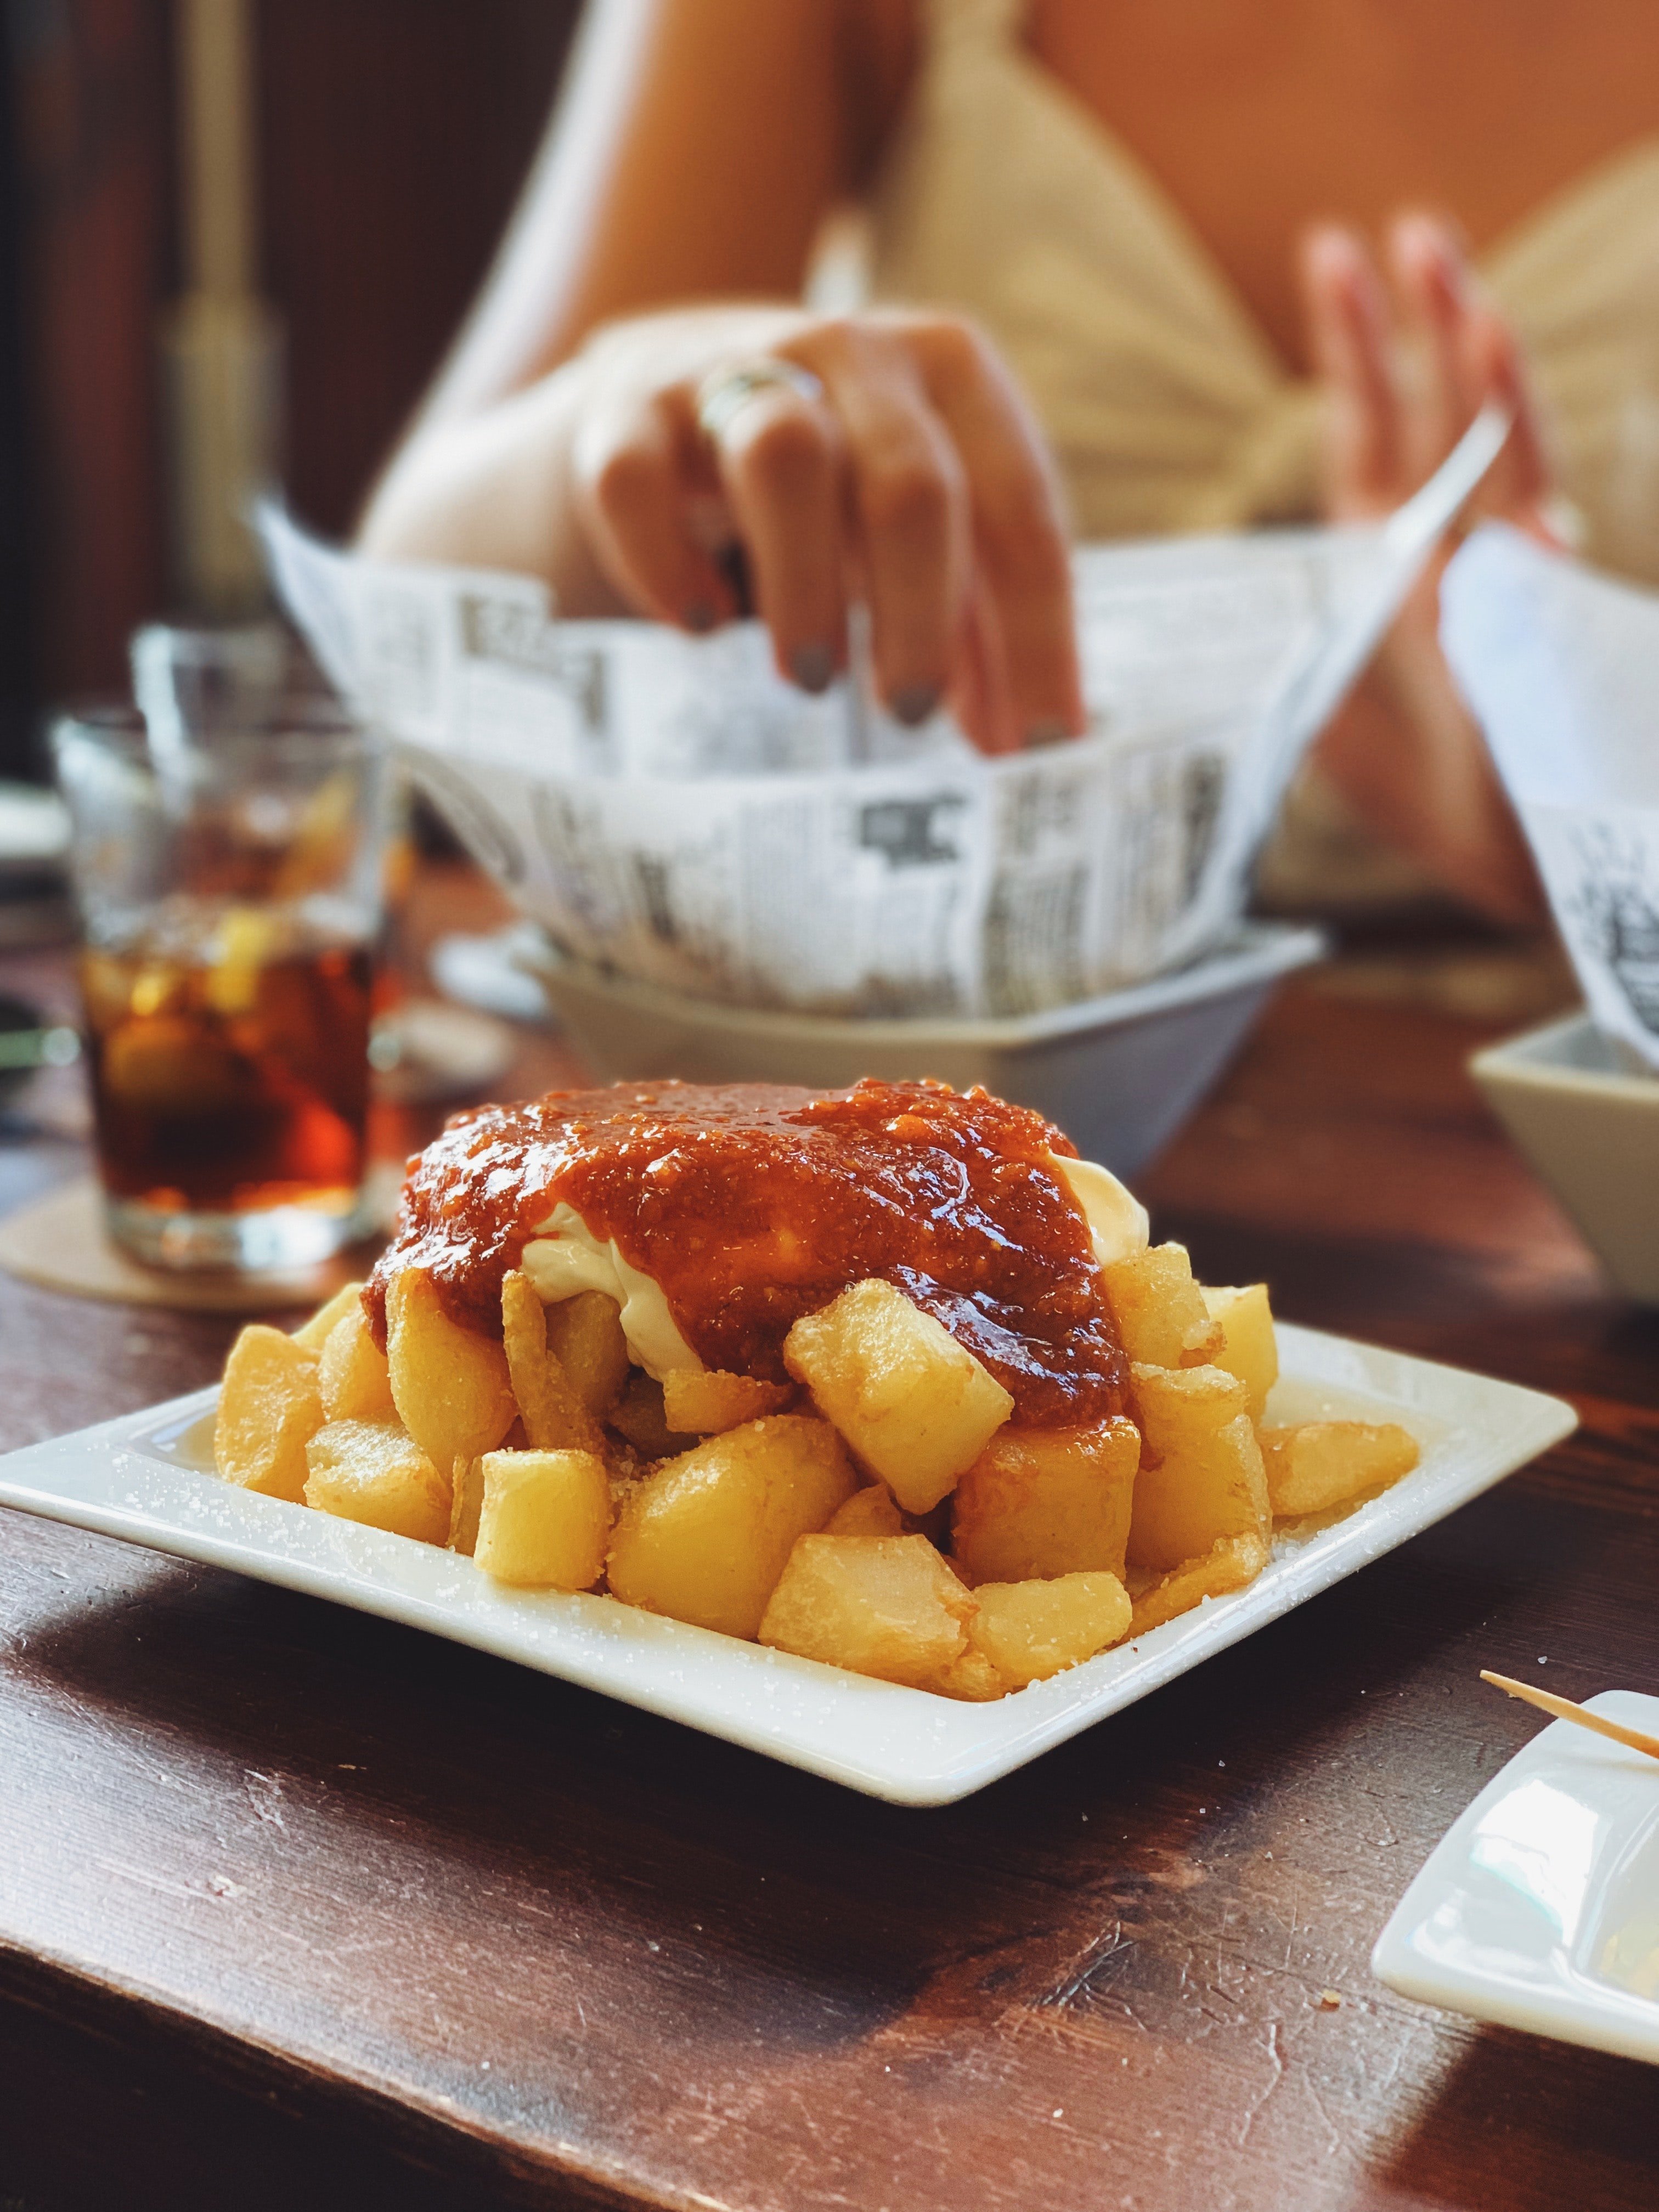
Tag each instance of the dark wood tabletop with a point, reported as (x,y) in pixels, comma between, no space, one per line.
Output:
(296,1905)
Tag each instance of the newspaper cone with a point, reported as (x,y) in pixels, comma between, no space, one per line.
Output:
(1561,667)
(668,808)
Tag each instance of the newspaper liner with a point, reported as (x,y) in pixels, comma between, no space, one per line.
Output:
(669,809)
(1561,667)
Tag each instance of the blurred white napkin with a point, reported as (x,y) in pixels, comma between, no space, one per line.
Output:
(1560,666)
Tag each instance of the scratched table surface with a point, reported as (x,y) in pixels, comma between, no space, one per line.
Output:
(294,1900)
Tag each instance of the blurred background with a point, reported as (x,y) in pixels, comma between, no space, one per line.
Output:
(235,238)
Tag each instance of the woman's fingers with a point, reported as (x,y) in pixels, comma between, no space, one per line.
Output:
(907,507)
(1350,342)
(1433,291)
(780,462)
(981,698)
(1522,481)
(1022,559)
(1467,355)
(637,465)
(922,484)
(911,475)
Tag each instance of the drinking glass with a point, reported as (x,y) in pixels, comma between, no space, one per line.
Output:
(229,875)
(200,675)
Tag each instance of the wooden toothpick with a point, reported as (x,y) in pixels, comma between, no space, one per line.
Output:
(1565,1710)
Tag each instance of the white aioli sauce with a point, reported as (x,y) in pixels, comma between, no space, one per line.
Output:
(565,1256)
(1117,1219)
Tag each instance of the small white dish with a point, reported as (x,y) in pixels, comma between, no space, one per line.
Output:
(143,1478)
(1589,1123)
(1118,1074)
(1540,1910)
(34,836)
(494,972)
(424,1051)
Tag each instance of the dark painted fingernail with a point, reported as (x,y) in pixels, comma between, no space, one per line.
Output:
(915,703)
(699,617)
(1045,733)
(734,564)
(813,667)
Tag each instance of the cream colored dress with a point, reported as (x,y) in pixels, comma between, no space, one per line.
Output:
(1168,409)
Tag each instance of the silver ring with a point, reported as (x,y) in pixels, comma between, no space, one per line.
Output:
(724,392)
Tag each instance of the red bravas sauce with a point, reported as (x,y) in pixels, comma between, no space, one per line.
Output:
(752,1204)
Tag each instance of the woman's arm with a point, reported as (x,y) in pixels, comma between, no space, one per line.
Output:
(694,150)
(615,451)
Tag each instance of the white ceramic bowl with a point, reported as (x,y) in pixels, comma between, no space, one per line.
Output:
(1590,1128)
(1117,1073)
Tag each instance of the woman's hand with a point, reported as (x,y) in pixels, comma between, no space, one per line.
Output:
(890,459)
(898,465)
(1406,362)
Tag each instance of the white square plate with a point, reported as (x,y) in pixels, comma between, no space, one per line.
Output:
(146,1478)
(1540,1910)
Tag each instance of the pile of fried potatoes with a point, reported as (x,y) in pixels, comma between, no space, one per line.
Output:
(881,1512)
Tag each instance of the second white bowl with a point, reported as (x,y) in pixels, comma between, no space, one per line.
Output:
(1591,1130)
(1117,1073)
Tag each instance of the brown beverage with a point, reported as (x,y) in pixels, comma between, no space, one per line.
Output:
(229,880)
(233,1083)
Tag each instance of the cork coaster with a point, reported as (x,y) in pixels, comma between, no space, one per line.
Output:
(58,1241)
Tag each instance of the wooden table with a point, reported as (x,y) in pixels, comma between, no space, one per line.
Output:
(292,1900)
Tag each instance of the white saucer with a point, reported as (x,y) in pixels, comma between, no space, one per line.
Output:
(1540,1909)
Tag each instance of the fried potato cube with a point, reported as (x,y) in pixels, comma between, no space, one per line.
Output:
(269,1407)
(972,1678)
(553,1416)
(1317,1465)
(1248,1348)
(352,1372)
(869,1512)
(372,1471)
(1200,1475)
(466,1504)
(1039,1503)
(544,1519)
(1030,1630)
(702,1401)
(585,1335)
(1159,1310)
(638,1416)
(887,1606)
(915,1405)
(450,1385)
(1229,1564)
(311,1335)
(705,1538)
